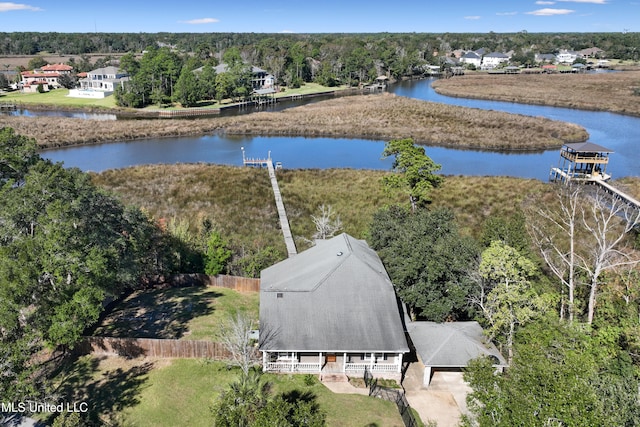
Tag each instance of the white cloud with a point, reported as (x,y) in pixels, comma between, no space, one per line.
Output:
(287,32)
(550,12)
(200,21)
(541,2)
(6,7)
(587,1)
(506,13)
(473,18)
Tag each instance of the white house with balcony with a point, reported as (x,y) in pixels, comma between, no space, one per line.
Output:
(100,83)
(331,309)
(494,59)
(566,56)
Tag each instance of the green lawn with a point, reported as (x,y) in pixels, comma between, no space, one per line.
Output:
(57,97)
(180,392)
(193,313)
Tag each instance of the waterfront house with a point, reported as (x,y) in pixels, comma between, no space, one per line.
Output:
(47,76)
(471,58)
(103,80)
(260,79)
(331,309)
(493,59)
(566,56)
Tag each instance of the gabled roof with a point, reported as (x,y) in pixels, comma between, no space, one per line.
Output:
(471,55)
(452,344)
(336,296)
(587,147)
(496,55)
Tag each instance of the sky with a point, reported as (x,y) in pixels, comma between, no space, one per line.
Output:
(324,16)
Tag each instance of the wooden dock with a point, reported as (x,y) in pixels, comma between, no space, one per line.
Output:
(282,213)
(617,193)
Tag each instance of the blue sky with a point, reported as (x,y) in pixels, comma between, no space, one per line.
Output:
(327,16)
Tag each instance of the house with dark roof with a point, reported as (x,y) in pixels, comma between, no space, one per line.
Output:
(260,79)
(450,346)
(471,58)
(331,309)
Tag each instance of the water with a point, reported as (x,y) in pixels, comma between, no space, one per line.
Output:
(51,113)
(617,132)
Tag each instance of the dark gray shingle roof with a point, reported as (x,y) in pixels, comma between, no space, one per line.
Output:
(451,344)
(336,296)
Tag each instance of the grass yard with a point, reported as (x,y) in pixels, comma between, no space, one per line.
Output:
(57,97)
(180,392)
(193,313)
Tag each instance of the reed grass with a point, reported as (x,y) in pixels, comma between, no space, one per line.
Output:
(379,117)
(601,92)
(241,202)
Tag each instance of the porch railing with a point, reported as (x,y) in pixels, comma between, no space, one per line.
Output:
(293,367)
(379,367)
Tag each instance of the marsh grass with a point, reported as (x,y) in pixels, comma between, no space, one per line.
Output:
(238,201)
(241,202)
(379,117)
(603,91)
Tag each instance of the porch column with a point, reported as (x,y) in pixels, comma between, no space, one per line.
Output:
(264,361)
(373,356)
(427,376)
(293,361)
(320,361)
(344,363)
(399,362)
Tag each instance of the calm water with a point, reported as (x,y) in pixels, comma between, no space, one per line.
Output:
(48,113)
(619,133)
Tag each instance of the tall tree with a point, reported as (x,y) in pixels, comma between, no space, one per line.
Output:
(608,221)
(413,170)
(65,245)
(430,264)
(555,230)
(188,91)
(507,300)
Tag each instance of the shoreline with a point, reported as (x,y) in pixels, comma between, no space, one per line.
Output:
(604,92)
(378,117)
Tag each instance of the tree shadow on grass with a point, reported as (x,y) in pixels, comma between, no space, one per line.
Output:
(160,313)
(106,390)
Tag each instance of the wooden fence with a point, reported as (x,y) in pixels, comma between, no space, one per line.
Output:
(164,348)
(240,284)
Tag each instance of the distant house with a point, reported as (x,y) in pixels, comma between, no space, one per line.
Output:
(566,56)
(450,346)
(47,76)
(492,60)
(545,58)
(261,79)
(592,52)
(471,58)
(332,310)
(104,79)
(99,83)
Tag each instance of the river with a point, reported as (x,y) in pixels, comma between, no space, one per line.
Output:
(614,131)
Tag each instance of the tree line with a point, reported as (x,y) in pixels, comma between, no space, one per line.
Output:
(257,46)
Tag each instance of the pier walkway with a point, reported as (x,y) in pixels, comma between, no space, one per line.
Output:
(282,213)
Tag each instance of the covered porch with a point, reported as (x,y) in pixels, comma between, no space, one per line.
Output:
(348,363)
